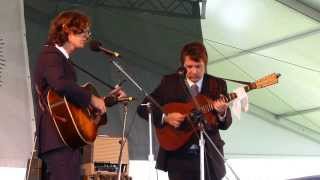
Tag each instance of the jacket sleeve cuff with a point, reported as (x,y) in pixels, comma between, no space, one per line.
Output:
(222,117)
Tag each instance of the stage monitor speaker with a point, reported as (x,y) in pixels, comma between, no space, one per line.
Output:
(102,156)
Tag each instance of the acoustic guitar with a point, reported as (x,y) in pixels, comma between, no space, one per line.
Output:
(76,126)
(171,138)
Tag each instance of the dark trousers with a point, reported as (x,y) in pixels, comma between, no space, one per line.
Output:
(61,164)
(189,169)
(176,175)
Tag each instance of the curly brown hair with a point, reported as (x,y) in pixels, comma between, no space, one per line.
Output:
(196,51)
(67,22)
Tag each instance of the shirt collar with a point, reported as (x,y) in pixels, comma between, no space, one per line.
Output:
(199,83)
(62,50)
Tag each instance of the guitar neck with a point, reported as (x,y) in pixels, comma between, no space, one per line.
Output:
(230,96)
(260,83)
(247,88)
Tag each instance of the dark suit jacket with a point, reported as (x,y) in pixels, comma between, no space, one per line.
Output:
(54,71)
(171,89)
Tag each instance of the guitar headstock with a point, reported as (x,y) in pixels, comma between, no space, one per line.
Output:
(268,80)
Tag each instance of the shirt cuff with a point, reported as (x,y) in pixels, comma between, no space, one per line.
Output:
(222,117)
(162,119)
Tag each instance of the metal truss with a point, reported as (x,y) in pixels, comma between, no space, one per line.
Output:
(300,112)
(175,8)
(284,123)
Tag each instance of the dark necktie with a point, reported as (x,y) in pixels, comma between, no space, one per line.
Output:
(194,90)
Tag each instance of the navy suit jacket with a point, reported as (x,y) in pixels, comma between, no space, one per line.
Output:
(172,89)
(54,71)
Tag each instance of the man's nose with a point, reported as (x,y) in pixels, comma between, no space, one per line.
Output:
(194,70)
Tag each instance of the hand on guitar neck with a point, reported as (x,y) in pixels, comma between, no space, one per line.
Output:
(118,92)
(221,105)
(99,102)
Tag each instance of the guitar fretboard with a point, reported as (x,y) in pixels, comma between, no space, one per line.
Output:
(230,96)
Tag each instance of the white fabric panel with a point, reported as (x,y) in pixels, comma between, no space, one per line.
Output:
(255,137)
(16,103)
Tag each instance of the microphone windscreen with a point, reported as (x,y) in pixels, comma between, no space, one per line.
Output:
(95,45)
(181,71)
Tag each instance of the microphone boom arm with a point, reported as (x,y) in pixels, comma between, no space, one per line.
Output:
(152,100)
(97,47)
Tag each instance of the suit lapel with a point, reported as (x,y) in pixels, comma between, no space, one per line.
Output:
(205,85)
(185,91)
(68,65)
(72,70)
(209,86)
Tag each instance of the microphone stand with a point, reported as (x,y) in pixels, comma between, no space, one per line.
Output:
(148,105)
(201,125)
(152,100)
(219,153)
(123,141)
(150,156)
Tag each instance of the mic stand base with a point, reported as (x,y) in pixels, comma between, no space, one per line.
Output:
(202,147)
(150,156)
(123,141)
(203,132)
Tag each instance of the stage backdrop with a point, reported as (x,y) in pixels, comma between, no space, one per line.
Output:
(16,111)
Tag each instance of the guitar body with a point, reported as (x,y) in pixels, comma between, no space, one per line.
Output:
(171,138)
(76,126)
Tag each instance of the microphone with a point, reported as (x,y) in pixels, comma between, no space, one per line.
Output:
(181,71)
(113,100)
(126,99)
(97,46)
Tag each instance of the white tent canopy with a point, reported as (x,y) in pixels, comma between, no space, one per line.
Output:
(250,39)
